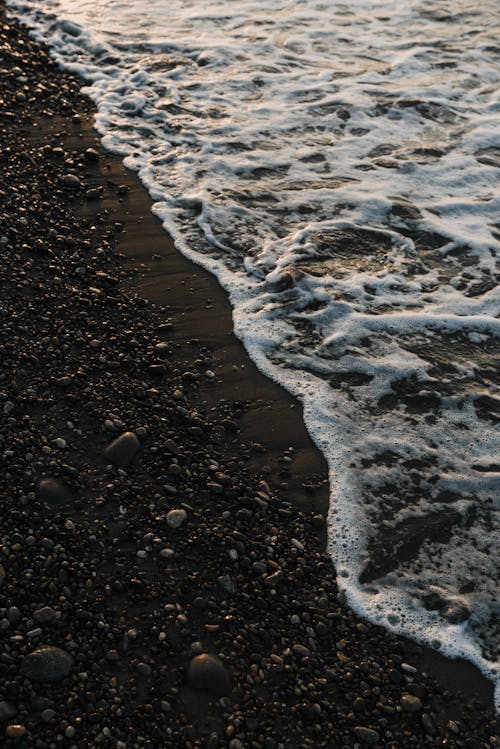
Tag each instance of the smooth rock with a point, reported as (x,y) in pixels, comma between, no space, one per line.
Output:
(123,449)
(45,615)
(411,704)
(366,735)
(53,491)
(47,664)
(175,518)
(15,731)
(71,180)
(209,673)
(2,574)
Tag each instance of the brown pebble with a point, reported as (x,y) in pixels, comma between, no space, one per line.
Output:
(15,731)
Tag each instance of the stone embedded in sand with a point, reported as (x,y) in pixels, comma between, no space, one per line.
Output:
(123,449)
(175,518)
(366,735)
(208,673)
(53,491)
(47,664)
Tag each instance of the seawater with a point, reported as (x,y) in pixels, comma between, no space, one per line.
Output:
(337,167)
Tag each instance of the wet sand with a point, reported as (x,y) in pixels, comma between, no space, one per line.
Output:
(303,670)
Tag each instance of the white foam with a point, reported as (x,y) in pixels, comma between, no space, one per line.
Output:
(273,136)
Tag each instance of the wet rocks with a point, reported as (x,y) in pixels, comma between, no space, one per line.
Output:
(208,673)
(47,664)
(122,450)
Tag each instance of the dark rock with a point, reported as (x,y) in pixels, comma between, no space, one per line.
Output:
(71,180)
(91,154)
(411,704)
(45,615)
(209,673)
(366,735)
(123,449)
(7,711)
(47,664)
(455,612)
(53,491)
(2,574)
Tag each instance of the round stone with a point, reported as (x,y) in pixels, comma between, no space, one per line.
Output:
(175,518)
(15,731)
(47,664)
(208,673)
(123,449)
(411,704)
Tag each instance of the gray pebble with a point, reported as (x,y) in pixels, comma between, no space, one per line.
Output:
(175,518)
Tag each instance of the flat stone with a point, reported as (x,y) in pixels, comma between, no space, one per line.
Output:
(175,518)
(123,449)
(366,735)
(54,492)
(208,673)
(47,664)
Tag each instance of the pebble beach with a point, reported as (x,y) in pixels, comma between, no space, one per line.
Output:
(164,580)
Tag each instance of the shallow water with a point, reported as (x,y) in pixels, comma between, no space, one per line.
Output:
(337,167)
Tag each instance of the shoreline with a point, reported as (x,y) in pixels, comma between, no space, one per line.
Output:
(151,378)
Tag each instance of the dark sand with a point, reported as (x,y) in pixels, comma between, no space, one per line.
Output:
(88,570)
